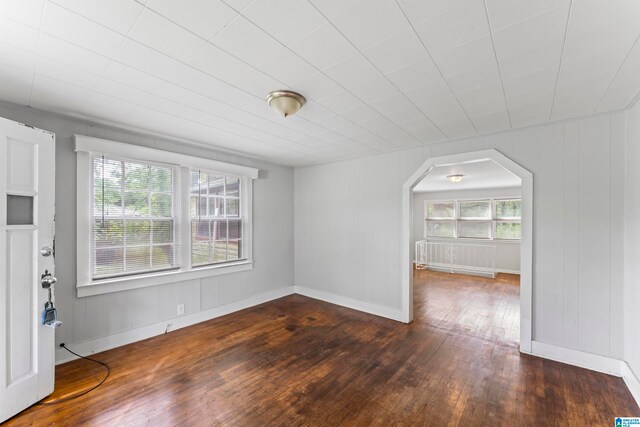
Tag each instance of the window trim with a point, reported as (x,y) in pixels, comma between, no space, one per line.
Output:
(85,286)
(457,220)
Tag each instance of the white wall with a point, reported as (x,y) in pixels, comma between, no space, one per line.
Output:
(507,256)
(90,318)
(348,226)
(632,252)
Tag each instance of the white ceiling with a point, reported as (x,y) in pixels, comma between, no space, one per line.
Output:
(379,75)
(477,174)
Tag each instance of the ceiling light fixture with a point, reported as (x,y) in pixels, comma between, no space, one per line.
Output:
(455,178)
(285,102)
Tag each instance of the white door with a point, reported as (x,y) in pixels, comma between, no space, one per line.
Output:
(27,157)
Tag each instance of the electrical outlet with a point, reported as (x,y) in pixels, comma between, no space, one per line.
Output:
(180,309)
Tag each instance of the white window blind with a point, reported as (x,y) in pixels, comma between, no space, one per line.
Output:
(216,218)
(134,227)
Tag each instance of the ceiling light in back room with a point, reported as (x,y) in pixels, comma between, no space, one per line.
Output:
(455,178)
(285,102)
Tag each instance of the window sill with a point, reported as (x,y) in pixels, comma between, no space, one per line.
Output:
(470,239)
(143,281)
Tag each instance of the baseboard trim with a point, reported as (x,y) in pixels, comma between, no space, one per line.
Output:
(127,337)
(632,381)
(375,309)
(582,359)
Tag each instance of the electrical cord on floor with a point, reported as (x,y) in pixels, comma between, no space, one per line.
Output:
(64,399)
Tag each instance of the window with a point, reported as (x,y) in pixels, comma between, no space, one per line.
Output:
(441,219)
(148,217)
(216,224)
(135,212)
(474,219)
(508,216)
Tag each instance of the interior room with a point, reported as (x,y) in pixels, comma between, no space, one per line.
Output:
(315,212)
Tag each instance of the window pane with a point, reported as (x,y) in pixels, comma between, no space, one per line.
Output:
(136,177)
(215,206)
(109,261)
(161,179)
(219,229)
(440,228)
(216,186)
(235,229)
(473,229)
(200,246)
(232,207)
(137,232)
(136,204)
(219,251)
(162,256)
(195,182)
(193,206)
(508,230)
(162,232)
(107,233)
(441,210)
(112,201)
(234,250)
(480,209)
(137,258)
(233,187)
(508,209)
(161,205)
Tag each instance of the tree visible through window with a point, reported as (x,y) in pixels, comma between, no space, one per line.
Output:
(133,222)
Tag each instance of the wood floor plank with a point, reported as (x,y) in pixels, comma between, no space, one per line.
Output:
(299,361)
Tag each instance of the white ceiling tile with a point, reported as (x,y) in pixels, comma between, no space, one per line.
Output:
(371,22)
(528,82)
(461,23)
(65,73)
(625,85)
(331,8)
(117,15)
(286,20)
(424,130)
(287,67)
(360,114)
(606,64)
(420,10)
(397,52)
(491,122)
(142,58)
(202,17)
(536,97)
(483,100)
(374,90)
(478,77)
(50,47)
(47,92)
(465,57)
(27,12)
(392,104)
(587,15)
(17,58)
(506,13)
(408,114)
(601,41)
(318,86)
(238,5)
(457,128)
(324,47)
(159,33)
(536,59)
(120,91)
(244,40)
(529,114)
(340,102)
(429,92)
(353,71)
(441,106)
(73,28)
(18,35)
(538,31)
(106,107)
(132,77)
(415,75)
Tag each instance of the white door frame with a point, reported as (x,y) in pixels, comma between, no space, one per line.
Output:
(526,246)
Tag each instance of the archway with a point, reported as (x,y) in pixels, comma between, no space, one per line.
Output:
(526,249)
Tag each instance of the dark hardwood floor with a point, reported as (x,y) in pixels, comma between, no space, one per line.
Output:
(298,361)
